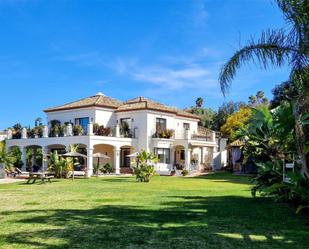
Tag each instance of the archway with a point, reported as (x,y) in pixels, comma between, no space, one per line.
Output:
(107,150)
(179,156)
(125,161)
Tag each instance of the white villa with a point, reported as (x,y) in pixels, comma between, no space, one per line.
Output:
(140,123)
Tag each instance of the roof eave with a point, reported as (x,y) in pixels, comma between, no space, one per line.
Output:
(77,107)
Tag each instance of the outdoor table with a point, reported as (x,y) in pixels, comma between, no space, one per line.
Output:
(33,176)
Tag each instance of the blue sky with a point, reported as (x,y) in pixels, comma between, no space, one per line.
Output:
(54,52)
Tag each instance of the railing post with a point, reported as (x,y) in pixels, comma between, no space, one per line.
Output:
(45,131)
(213,136)
(69,130)
(117,130)
(24,133)
(90,129)
(9,134)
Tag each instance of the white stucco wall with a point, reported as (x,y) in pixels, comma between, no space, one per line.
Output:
(70,115)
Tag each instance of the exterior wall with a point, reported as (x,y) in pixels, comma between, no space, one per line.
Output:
(144,124)
(2,137)
(220,156)
(70,115)
(105,117)
(140,125)
(178,126)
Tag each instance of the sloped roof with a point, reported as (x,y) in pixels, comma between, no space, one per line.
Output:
(141,103)
(98,100)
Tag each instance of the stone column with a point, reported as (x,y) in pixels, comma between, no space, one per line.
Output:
(24,133)
(90,129)
(89,161)
(33,161)
(9,134)
(45,131)
(24,158)
(69,130)
(44,158)
(187,158)
(213,136)
(117,160)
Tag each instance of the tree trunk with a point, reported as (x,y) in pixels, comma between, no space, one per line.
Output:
(300,107)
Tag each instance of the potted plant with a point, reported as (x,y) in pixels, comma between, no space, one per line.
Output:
(55,131)
(78,130)
(96,128)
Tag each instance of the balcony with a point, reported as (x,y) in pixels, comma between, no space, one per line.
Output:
(69,130)
(164,133)
(202,134)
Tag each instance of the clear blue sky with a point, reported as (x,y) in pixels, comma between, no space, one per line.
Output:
(53,52)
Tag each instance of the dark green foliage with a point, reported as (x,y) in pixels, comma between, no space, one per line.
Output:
(185,172)
(16,131)
(144,170)
(78,130)
(285,92)
(107,168)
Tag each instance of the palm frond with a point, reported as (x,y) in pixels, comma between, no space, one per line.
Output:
(272,48)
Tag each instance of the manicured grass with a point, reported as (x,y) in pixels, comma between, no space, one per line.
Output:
(214,211)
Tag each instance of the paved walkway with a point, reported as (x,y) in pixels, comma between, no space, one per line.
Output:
(10,180)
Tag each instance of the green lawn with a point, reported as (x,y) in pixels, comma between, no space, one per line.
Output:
(214,211)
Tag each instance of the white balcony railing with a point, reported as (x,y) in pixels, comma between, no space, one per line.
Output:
(67,131)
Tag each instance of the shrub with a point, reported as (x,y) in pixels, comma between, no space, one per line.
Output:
(16,131)
(78,130)
(165,133)
(37,131)
(144,170)
(61,166)
(185,172)
(100,130)
(107,169)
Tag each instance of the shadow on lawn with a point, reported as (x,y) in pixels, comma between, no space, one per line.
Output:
(224,177)
(184,222)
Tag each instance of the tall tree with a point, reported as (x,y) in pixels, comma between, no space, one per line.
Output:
(199,102)
(275,48)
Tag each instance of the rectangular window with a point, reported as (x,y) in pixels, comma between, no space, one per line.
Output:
(83,122)
(125,127)
(160,124)
(186,126)
(163,155)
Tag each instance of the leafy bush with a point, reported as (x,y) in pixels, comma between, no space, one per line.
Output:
(16,131)
(107,168)
(78,130)
(100,130)
(164,133)
(36,131)
(185,172)
(59,165)
(144,170)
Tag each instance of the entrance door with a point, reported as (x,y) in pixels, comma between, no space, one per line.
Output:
(125,161)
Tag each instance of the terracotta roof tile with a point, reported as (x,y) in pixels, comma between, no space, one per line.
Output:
(141,103)
(98,100)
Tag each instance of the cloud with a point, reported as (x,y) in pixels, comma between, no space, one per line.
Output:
(200,14)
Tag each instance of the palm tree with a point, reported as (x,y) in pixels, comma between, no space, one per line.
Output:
(276,48)
(199,102)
